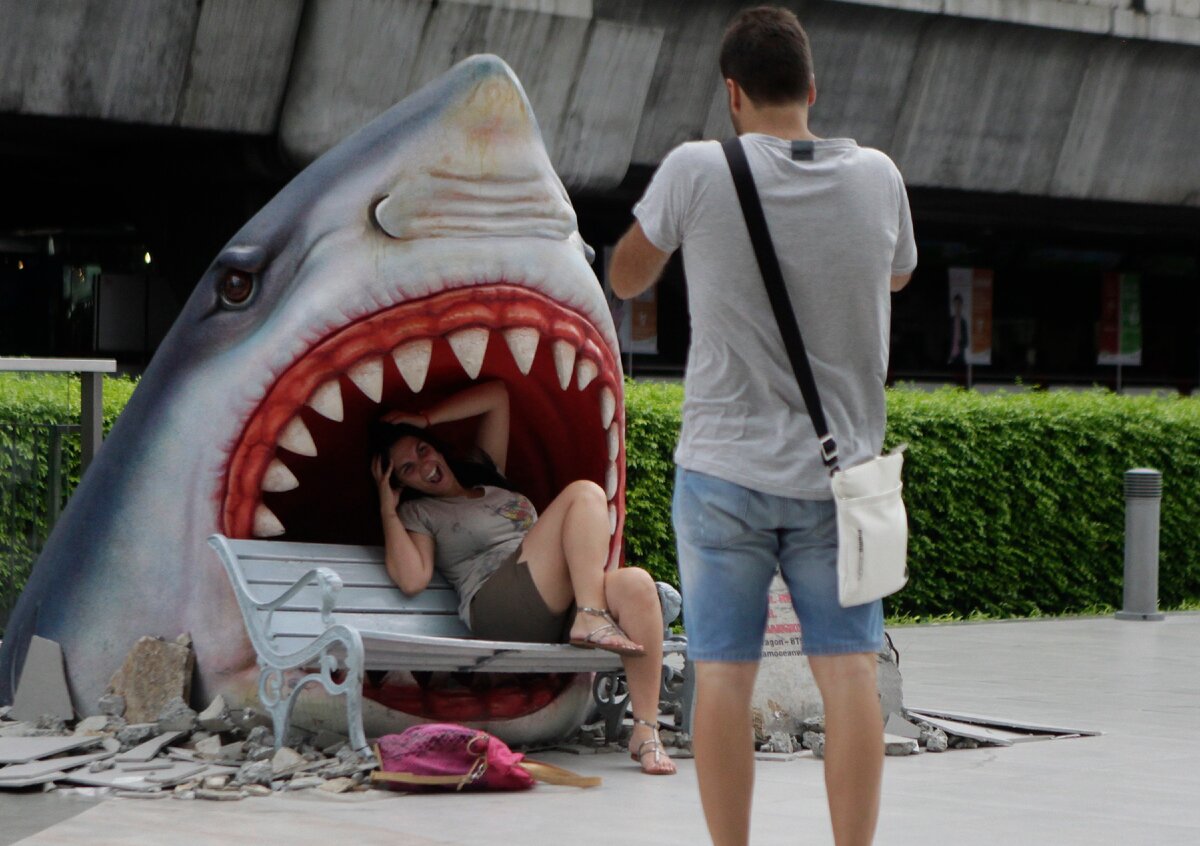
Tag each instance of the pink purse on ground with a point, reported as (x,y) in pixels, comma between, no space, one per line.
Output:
(446,756)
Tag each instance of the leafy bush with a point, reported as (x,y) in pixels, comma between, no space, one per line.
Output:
(37,409)
(1015,501)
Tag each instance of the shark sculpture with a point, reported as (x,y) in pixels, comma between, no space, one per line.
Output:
(434,247)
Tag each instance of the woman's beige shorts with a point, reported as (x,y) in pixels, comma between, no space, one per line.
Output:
(509,607)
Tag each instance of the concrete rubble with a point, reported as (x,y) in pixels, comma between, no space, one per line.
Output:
(220,756)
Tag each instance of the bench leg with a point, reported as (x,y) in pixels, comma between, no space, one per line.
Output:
(278,689)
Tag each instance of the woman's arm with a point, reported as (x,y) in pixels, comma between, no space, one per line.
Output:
(408,555)
(488,400)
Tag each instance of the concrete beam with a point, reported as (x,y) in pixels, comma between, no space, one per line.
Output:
(596,138)
(239,63)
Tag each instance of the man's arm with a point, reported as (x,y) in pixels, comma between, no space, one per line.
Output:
(636,263)
(898,282)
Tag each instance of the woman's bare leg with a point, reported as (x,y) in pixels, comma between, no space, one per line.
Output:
(633,598)
(566,551)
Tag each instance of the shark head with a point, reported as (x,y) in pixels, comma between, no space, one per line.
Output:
(434,247)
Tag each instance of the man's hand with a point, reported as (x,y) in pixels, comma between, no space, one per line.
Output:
(898,282)
(636,263)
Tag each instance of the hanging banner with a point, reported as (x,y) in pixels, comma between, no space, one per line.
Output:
(1120,335)
(970,316)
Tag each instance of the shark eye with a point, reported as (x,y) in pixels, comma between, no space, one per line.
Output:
(235,288)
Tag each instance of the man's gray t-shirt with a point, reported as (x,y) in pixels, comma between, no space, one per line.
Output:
(472,536)
(841,227)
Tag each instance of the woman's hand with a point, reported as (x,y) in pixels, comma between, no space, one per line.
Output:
(389,498)
(418,420)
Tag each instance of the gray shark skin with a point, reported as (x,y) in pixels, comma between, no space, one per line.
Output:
(434,247)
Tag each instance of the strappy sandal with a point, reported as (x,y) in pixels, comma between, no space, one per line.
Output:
(656,746)
(593,639)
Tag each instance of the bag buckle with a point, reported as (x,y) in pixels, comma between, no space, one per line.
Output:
(829,451)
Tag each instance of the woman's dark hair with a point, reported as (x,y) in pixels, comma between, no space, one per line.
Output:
(765,50)
(471,470)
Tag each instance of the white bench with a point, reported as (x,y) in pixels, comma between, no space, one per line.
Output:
(326,607)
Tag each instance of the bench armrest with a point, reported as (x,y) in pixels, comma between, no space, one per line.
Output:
(329,582)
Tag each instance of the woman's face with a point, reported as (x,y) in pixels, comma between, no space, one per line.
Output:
(419,466)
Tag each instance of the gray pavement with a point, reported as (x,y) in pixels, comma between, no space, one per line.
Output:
(1138,783)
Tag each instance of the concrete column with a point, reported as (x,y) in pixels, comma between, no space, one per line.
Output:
(1143,496)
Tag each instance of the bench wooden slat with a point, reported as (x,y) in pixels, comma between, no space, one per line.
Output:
(309,624)
(364,600)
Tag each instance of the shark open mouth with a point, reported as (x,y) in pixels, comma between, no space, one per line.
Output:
(300,468)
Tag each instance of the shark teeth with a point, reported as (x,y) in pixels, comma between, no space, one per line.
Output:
(470,346)
(279,478)
(612,520)
(523,344)
(614,443)
(564,362)
(368,376)
(296,438)
(327,401)
(266,524)
(610,481)
(608,407)
(412,360)
(585,371)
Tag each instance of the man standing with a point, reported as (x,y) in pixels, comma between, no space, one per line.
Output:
(751,491)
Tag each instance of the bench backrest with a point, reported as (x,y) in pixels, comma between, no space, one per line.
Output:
(369,600)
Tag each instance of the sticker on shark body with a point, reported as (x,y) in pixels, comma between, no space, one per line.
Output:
(434,247)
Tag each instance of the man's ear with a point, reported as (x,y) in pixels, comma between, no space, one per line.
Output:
(812,92)
(735,96)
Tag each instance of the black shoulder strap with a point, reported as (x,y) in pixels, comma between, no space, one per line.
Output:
(768,264)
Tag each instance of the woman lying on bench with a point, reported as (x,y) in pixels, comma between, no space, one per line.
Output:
(520,577)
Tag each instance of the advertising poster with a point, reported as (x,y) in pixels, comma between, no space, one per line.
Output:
(970,331)
(637,319)
(1120,340)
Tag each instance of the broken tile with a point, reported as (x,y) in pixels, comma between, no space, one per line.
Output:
(304,783)
(899,726)
(43,685)
(48,765)
(256,790)
(897,746)
(111,704)
(154,673)
(31,781)
(147,750)
(216,716)
(210,747)
(176,715)
(168,774)
(337,785)
(98,725)
(22,750)
(286,761)
(219,795)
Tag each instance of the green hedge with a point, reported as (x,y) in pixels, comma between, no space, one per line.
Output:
(30,405)
(1015,501)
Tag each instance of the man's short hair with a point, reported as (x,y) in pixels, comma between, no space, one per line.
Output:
(765,51)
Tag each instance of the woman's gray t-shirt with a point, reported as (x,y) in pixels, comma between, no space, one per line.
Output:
(472,535)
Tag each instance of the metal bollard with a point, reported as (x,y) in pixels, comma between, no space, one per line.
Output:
(1143,495)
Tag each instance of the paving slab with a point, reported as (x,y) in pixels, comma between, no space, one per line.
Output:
(1137,682)
(22,750)
(43,685)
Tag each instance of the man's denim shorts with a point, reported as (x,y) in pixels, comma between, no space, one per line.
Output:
(731,540)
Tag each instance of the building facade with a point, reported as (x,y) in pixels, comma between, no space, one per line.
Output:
(1049,147)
